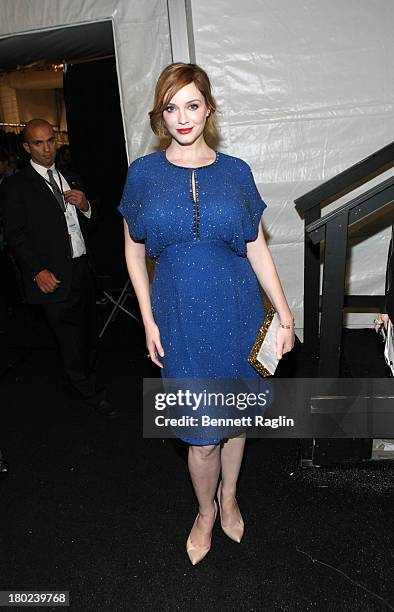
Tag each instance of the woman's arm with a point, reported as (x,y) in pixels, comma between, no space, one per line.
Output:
(136,265)
(263,266)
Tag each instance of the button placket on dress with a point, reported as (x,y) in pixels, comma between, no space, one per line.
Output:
(196,204)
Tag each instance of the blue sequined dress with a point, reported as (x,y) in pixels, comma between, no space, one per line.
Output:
(195,223)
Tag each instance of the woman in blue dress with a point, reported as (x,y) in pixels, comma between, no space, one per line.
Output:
(197,213)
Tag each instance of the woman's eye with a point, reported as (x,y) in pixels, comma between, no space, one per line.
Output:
(170,108)
(193,107)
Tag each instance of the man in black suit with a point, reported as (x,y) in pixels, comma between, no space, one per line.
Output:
(46,219)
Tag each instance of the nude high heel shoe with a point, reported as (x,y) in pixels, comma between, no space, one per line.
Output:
(197,553)
(236,531)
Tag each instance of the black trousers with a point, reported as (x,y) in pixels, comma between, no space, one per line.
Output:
(73,322)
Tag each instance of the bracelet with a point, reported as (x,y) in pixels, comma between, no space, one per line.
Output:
(287,326)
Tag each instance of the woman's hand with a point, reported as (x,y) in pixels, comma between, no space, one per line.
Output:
(285,339)
(153,343)
(382,319)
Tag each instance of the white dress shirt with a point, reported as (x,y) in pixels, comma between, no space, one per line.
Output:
(77,241)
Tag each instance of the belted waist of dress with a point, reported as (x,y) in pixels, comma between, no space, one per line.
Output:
(196,243)
(193,244)
(187,245)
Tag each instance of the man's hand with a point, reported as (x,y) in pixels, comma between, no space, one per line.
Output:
(46,281)
(77,198)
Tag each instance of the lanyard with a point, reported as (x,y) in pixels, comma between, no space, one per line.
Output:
(56,186)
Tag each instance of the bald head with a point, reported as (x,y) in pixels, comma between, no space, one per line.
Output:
(39,141)
(31,124)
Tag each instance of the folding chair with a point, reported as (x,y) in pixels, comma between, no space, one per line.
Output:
(118,304)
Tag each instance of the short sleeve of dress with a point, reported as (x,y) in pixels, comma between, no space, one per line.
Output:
(254,206)
(131,204)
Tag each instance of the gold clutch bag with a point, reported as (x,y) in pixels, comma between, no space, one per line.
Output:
(263,354)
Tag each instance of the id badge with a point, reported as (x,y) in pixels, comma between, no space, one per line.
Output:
(71,224)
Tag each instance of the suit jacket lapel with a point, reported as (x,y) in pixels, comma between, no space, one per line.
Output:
(39,182)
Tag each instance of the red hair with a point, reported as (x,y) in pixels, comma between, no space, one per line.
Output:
(171,80)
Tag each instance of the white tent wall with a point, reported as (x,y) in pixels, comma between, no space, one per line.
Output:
(305,89)
(142,47)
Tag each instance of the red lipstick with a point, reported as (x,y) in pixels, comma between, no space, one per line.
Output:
(184,130)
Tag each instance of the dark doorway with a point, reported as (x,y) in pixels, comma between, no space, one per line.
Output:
(97,143)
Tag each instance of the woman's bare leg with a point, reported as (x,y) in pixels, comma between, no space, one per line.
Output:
(231,459)
(204,468)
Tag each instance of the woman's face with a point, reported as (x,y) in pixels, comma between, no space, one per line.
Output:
(186,114)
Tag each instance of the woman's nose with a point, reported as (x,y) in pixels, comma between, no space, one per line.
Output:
(182,118)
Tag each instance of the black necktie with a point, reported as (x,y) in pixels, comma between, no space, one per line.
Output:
(55,189)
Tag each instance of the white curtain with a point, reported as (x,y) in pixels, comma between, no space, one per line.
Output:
(305,90)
